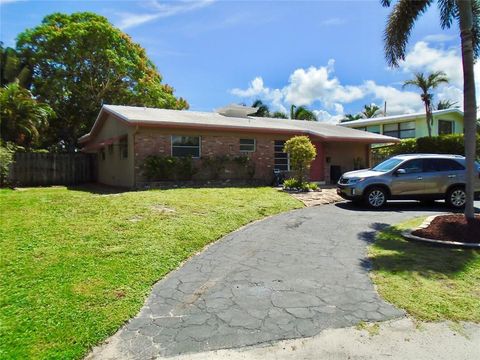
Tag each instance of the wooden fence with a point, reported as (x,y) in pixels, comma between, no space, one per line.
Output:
(39,169)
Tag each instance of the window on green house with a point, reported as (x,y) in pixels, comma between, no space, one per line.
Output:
(374,129)
(445,127)
(402,130)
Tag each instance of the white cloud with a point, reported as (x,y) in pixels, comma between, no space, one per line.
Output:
(438,38)
(160,10)
(423,57)
(398,102)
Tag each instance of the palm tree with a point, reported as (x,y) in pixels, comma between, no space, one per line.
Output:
(370,111)
(279,115)
(446,104)
(467,12)
(350,117)
(426,84)
(302,113)
(21,116)
(263,110)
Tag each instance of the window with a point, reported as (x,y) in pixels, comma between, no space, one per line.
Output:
(123,147)
(433,165)
(403,130)
(282,162)
(445,127)
(247,145)
(413,166)
(183,146)
(374,129)
(361,128)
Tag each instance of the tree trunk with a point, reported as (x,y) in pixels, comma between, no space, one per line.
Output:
(428,114)
(469,100)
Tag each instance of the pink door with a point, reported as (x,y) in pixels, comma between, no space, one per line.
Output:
(317,167)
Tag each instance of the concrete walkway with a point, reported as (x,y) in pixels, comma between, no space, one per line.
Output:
(288,276)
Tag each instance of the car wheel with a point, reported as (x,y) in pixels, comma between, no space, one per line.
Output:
(456,198)
(376,197)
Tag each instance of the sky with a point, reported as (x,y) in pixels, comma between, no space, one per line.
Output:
(326,55)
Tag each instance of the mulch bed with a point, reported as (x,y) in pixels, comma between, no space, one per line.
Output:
(453,228)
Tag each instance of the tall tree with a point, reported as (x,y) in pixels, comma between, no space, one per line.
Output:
(446,104)
(370,111)
(426,84)
(12,68)
(350,117)
(279,115)
(302,113)
(79,62)
(21,116)
(263,110)
(467,13)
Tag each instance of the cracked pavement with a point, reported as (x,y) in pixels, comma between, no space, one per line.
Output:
(288,276)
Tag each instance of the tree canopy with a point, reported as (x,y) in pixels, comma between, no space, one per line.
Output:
(79,62)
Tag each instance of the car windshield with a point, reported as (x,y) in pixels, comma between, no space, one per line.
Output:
(387,165)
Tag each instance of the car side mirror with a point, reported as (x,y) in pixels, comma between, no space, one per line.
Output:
(400,172)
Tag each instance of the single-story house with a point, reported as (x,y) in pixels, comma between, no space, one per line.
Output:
(123,137)
(448,121)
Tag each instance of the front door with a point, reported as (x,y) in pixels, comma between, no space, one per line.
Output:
(317,168)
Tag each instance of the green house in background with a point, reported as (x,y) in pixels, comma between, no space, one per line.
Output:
(449,121)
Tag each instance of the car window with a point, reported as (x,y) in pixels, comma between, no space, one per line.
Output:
(449,165)
(387,165)
(412,166)
(433,165)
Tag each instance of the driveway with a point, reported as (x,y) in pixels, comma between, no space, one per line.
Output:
(288,276)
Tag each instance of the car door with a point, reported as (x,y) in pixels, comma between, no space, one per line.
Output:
(409,181)
(445,172)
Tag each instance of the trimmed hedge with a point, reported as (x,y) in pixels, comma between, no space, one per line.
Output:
(445,144)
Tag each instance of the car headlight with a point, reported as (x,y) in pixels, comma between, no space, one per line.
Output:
(355,180)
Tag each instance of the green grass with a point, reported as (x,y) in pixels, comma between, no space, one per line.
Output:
(430,283)
(76,265)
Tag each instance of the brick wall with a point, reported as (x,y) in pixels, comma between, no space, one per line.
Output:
(157,142)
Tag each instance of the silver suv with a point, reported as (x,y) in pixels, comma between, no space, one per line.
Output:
(423,177)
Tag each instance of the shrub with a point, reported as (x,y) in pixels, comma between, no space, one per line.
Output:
(294,184)
(158,168)
(215,164)
(445,144)
(7,151)
(301,152)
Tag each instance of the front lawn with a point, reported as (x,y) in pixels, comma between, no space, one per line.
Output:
(430,283)
(76,265)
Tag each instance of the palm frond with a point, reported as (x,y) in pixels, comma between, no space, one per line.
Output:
(399,26)
(448,12)
(476,28)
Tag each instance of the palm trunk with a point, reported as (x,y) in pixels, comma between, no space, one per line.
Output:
(469,100)
(428,114)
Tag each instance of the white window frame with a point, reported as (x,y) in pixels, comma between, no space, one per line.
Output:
(199,145)
(248,151)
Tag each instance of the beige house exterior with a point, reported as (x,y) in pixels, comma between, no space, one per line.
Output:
(123,136)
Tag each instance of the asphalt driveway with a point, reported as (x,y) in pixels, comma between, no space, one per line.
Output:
(288,276)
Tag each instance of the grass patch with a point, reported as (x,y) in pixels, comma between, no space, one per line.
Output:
(76,265)
(372,328)
(430,283)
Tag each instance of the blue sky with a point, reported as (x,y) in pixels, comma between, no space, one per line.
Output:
(327,55)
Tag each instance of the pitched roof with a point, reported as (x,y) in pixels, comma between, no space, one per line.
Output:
(403,117)
(142,116)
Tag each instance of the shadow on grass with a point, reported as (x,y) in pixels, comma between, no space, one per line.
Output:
(98,189)
(393,254)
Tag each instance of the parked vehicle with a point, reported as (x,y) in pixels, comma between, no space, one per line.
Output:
(423,177)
